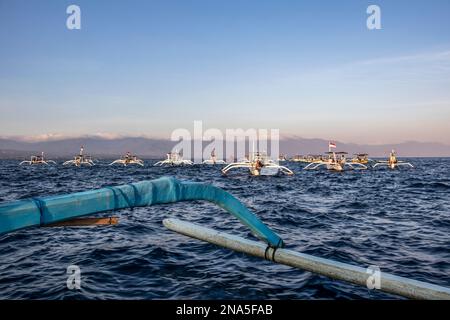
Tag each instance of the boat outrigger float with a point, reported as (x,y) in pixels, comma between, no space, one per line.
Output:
(49,210)
(37,160)
(43,211)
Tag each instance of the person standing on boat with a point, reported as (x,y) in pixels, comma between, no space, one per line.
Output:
(342,160)
(127,157)
(392,158)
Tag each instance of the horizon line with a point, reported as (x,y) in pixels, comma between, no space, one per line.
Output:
(113,136)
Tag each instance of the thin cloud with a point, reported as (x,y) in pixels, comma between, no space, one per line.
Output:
(60,136)
(424,57)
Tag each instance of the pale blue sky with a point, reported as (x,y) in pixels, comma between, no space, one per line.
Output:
(309,68)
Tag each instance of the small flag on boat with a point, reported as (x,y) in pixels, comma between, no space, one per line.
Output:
(331,145)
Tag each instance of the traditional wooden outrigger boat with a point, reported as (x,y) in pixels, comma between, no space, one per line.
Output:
(259,164)
(310,158)
(80,160)
(297,158)
(174,159)
(315,158)
(213,159)
(37,160)
(128,159)
(336,162)
(361,158)
(392,162)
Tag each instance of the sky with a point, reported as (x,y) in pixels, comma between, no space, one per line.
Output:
(309,68)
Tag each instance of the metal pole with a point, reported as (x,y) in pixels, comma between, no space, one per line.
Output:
(336,270)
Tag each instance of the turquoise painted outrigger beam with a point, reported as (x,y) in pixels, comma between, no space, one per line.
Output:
(43,211)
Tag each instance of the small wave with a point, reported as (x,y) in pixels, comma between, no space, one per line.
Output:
(397,220)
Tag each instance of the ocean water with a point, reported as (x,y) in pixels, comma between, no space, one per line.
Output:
(398,220)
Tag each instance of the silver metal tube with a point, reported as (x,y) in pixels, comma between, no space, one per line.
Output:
(336,270)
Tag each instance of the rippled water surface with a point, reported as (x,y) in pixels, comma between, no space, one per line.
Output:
(398,220)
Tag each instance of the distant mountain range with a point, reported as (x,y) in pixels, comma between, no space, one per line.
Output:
(293,146)
(157,148)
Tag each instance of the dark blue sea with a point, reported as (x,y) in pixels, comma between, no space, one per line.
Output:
(398,220)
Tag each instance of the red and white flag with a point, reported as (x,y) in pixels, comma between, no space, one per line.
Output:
(331,145)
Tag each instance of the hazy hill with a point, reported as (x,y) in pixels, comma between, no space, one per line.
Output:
(405,149)
(157,148)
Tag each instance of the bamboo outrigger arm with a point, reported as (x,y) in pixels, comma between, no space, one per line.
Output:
(333,269)
(251,166)
(43,211)
(332,165)
(392,165)
(126,162)
(37,160)
(212,161)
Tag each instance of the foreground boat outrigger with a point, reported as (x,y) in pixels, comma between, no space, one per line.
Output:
(259,165)
(392,162)
(128,159)
(37,160)
(80,160)
(49,210)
